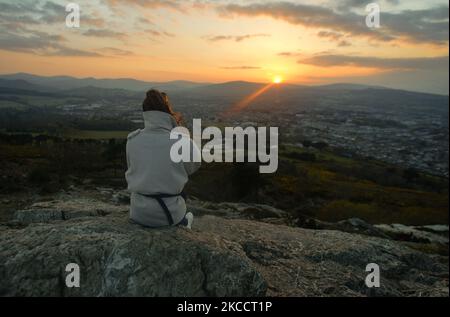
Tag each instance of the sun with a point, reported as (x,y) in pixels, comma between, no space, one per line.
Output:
(277,80)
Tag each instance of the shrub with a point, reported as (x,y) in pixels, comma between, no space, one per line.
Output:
(39,175)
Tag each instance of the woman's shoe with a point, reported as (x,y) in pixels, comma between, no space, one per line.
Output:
(190,219)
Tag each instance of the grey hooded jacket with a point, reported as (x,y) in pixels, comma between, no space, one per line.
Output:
(151,171)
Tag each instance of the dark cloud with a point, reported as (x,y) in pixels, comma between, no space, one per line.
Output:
(177,5)
(18,8)
(425,63)
(151,4)
(236,38)
(104,33)
(335,37)
(359,4)
(53,13)
(426,26)
(33,13)
(16,22)
(20,28)
(39,43)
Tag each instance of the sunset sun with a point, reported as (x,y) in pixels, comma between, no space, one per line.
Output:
(277,80)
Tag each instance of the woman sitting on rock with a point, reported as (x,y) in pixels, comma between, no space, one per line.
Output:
(156,182)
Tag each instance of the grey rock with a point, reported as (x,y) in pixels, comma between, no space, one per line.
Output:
(117,258)
(219,257)
(303,262)
(437,229)
(356,225)
(65,209)
(424,234)
(121,197)
(236,210)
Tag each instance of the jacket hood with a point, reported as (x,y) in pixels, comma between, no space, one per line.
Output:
(159,120)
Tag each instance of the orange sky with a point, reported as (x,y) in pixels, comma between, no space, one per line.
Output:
(307,42)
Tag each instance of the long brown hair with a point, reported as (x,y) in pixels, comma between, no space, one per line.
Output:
(159,101)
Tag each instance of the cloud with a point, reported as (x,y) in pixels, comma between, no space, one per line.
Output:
(241,67)
(144,21)
(344,43)
(335,36)
(290,54)
(52,12)
(361,4)
(176,5)
(419,26)
(424,63)
(67,51)
(159,33)
(92,20)
(236,38)
(104,33)
(39,43)
(32,13)
(149,4)
(22,25)
(17,7)
(115,51)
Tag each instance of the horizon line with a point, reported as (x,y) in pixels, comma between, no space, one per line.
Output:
(285,83)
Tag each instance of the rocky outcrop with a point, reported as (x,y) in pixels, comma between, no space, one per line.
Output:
(219,257)
(302,262)
(65,209)
(431,234)
(353,225)
(422,234)
(230,210)
(117,258)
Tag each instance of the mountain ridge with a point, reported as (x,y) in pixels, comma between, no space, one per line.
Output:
(63,82)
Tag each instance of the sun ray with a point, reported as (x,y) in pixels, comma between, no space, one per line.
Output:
(247,100)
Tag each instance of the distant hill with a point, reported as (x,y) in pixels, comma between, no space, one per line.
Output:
(21,84)
(27,81)
(96,92)
(24,88)
(67,82)
(229,89)
(240,89)
(347,86)
(287,96)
